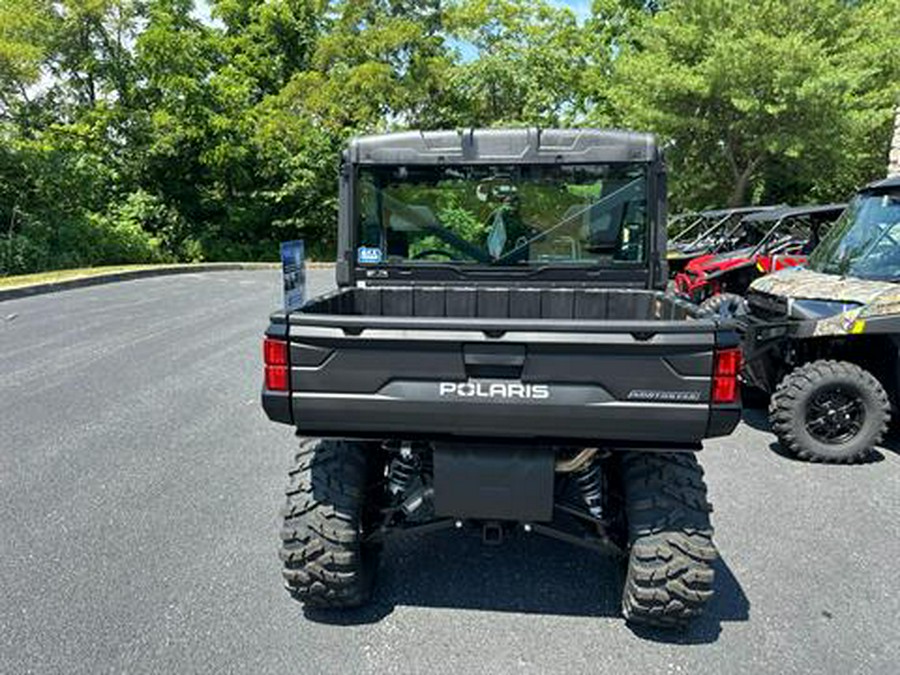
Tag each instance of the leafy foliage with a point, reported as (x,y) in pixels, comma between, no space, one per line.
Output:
(133,131)
(775,100)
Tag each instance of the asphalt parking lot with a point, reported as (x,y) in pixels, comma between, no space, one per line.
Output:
(140,485)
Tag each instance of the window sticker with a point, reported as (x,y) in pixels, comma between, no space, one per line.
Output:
(368,254)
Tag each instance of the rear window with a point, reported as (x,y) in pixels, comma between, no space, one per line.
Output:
(503,215)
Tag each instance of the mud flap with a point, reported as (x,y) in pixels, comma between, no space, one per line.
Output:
(493,482)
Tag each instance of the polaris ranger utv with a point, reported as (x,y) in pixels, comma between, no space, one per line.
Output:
(825,338)
(498,355)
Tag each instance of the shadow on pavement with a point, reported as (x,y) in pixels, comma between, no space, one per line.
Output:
(753,398)
(756,418)
(872,458)
(892,441)
(526,574)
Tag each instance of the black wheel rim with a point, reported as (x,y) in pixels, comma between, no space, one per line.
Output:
(835,415)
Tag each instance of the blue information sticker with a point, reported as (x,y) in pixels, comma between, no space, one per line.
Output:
(368,254)
(293,274)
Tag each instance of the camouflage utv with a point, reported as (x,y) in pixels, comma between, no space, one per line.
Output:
(824,339)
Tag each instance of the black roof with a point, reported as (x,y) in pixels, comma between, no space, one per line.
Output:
(503,146)
(824,210)
(889,183)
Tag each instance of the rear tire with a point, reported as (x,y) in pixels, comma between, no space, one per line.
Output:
(829,411)
(725,305)
(670,574)
(326,563)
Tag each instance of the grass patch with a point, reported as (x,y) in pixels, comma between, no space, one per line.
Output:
(63,275)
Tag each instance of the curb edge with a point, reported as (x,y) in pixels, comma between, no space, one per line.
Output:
(113,277)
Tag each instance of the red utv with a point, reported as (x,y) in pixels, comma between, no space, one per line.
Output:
(692,235)
(760,243)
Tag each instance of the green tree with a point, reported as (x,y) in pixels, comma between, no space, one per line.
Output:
(24,27)
(529,64)
(748,88)
(130,130)
(365,66)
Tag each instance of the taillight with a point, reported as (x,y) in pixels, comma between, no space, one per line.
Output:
(275,352)
(275,356)
(726,366)
(277,378)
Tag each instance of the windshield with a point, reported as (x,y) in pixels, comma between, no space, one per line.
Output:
(681,226)
(865,241)
(503,215)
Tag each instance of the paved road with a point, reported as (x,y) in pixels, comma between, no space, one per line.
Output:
(140,484)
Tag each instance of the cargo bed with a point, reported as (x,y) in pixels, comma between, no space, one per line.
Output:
(565,365)
(485,302)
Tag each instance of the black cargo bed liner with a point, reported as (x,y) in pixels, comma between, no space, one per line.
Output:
(503,303)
